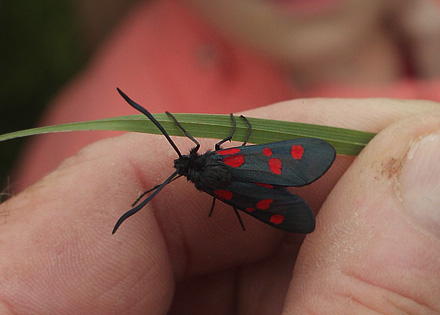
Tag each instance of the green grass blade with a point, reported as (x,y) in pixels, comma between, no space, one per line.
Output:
(345,141)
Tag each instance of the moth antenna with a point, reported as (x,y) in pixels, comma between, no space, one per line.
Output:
(129,213)
(150,117)
(150,190)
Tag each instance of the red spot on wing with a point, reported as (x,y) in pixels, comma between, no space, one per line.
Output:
(250,209)
(223,194)
(228,151)
(267,151)
(264,204)
(297,151)
(275,166)
(234,160)
(264,185)
(276,219)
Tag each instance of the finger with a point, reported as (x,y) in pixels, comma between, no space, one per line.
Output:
(57,252)
(377,245)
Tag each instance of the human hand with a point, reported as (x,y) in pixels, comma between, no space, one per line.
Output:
(373,249)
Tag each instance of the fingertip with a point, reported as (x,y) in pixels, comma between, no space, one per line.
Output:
(365,240)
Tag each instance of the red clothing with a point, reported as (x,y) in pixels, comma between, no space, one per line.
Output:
(167,58)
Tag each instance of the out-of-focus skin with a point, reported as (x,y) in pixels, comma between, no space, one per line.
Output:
(351,41)
(320,40)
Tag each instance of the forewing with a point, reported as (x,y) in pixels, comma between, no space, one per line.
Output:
(296,162)
(270,204)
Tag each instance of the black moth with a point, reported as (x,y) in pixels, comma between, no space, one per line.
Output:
(250,178)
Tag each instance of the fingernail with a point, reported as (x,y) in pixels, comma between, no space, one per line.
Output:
(420,182)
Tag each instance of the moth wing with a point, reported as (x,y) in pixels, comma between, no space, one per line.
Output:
(296,162)
(273,205)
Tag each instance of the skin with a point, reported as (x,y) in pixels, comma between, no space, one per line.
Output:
(353,41)
(372,251)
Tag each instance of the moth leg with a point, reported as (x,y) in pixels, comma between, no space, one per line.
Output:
(212,207)
(228,138)
(196,148)
(249,130)
(239,218)
(235,210)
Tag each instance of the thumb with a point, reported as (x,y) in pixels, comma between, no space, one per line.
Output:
(377,244)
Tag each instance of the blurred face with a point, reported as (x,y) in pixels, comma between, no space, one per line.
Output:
(297,33)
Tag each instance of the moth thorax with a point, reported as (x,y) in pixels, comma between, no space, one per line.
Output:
(190,166)
(215,176)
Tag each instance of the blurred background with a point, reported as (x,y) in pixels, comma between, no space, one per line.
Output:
(45,43)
